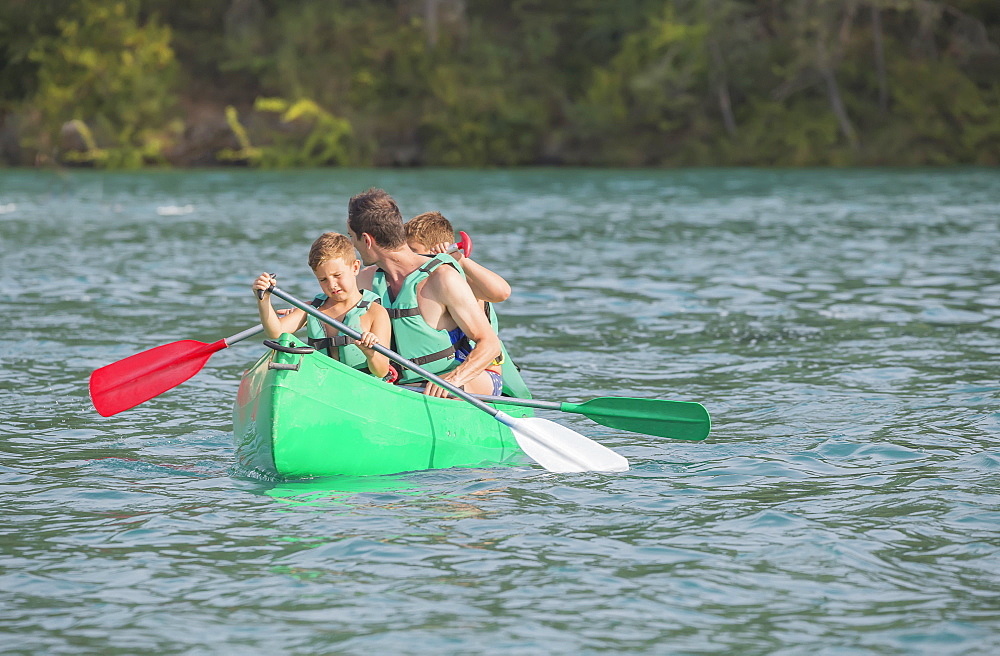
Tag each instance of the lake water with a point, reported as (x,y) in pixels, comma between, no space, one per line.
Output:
(842,327)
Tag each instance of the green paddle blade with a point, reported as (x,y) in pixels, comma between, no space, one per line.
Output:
(679,420)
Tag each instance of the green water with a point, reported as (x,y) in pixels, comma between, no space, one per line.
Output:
(842,327)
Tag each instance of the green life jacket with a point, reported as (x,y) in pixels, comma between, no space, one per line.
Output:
(513,384)
(341,347)
(380,287)
(412,336)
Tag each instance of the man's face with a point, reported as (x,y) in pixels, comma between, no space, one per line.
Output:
(359,244)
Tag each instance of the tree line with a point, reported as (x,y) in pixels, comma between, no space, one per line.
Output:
(285,83)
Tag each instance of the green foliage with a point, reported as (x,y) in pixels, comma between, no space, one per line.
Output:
(313,136)
(456,83)
(103,69)
(658,72)
(22,25)
(472,117)
(246,153)
(949,117)
(804,134)
(90,154)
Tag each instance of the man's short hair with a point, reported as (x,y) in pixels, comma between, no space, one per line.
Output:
(376,213)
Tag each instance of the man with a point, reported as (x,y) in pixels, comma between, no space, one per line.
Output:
(426,300)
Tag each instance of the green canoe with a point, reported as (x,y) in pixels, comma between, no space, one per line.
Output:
(299,413)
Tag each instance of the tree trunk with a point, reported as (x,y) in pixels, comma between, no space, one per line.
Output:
(727,109)
(833,93)
(431,21)
(883,86)
(722,89)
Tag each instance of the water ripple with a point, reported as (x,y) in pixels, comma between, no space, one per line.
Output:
(839,326)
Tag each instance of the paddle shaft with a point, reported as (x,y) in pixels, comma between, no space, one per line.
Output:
(679,420)
(581,408)
(246,334)
(395,357)
(513,400)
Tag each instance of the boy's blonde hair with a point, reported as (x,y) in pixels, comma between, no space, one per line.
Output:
(429,228)
(329,246)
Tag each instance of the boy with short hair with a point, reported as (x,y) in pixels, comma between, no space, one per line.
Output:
(431,233)
(335,265)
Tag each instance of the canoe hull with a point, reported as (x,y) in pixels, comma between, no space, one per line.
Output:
(301,415)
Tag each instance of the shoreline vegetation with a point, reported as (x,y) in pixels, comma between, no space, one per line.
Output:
(126,84)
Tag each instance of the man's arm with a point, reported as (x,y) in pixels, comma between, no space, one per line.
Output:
(487,285)
(449,289)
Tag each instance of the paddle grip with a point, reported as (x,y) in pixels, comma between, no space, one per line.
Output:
(464,244)
(261,292)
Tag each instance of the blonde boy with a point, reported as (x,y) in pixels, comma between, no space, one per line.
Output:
(335,265)
(431,233)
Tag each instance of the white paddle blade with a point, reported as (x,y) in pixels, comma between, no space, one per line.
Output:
(560,449)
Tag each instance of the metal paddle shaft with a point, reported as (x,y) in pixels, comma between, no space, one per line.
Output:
(245,334)
(553,446)
(138,378)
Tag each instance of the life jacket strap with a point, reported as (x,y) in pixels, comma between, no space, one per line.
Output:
(430,266)
(362,304)
(330,342)
(424,359)
(402,313)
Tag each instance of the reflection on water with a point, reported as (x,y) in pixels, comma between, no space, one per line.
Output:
(337,490)
(841,328)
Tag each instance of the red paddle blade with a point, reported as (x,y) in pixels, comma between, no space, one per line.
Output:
(138,378)
(465,243)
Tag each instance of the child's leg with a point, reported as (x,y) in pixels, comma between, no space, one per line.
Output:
(488,382)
